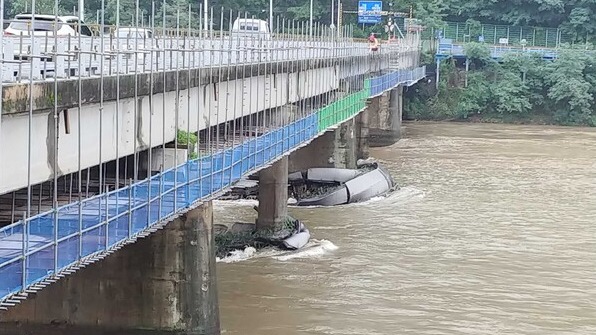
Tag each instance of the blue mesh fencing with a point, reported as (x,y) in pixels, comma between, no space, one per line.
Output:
(42,245)
(385,82)
(98,223)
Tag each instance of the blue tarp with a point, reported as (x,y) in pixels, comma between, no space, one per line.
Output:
(388,81)
(82,226)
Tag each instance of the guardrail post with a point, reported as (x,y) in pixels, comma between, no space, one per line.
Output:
(35,61)
(7,55)
(25,241)
(59,59)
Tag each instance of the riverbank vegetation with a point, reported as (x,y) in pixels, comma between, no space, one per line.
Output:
(519,88)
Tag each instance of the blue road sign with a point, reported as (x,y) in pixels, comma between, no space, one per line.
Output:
(369,11)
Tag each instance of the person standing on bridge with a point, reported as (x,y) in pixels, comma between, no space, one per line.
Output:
(373,42)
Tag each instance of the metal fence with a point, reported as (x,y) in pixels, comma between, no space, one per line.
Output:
(71,219)
(446,49)
(51,56)
(460,32)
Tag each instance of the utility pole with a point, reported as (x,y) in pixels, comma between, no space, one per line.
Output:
(338,11)
(332,13)
(206,14)
(311,14)
(81,10)
(270,14)
(340,6)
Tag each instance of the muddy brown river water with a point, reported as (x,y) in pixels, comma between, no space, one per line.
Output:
(492,232)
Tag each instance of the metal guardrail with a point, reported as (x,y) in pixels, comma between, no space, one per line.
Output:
(70,57)
(447,49)
(29,57)
(460,32)
(41,249)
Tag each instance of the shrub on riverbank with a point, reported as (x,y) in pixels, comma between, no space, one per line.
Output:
(520,88)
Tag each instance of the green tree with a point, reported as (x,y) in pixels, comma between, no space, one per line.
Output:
(569,90)
(478,54)
(509,94)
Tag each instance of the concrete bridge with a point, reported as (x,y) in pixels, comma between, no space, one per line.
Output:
(107,170)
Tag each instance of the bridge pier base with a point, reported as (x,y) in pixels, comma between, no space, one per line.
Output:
(273,195)
(163,284)
(385,113)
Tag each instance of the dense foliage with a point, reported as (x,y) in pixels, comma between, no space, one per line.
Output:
(519,88)
(577,17)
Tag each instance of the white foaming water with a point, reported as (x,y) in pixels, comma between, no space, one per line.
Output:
(245,202)
(314,248)
(238,255)
(236,203)
(403,195)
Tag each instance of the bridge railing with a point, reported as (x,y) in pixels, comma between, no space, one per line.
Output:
(29,54)
(539,37)
(67,57)
(448,48)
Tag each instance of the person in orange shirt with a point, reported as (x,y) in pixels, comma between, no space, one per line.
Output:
(373,42)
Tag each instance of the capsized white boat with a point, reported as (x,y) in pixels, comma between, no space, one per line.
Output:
(299,239)
(334,186)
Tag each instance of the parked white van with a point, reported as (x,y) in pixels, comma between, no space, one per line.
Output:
(252,28)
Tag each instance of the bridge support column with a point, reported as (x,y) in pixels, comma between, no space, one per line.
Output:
(163,284)
(346,143)
(385,118)
(362,147)
(273,195)
(396,103)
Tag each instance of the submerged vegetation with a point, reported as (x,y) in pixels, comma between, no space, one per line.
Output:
(519,88)
(230,240)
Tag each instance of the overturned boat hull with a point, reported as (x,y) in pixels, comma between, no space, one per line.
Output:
(351,185)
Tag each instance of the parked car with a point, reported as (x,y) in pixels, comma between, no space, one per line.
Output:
(24,24)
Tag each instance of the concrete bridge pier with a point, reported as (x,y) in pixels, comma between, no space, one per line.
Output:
(396,103)
(362,133)
(385,117)
(273,195)
(162,284)
(340,148)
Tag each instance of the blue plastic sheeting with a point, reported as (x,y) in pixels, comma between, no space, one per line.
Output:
(54,240)
(390,80)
